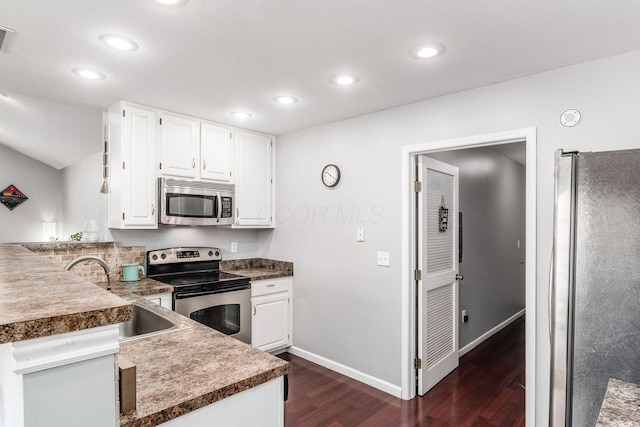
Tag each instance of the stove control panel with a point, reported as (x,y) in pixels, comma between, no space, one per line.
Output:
(183,255)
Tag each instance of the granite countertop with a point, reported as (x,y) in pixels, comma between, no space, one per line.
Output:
(142,287)
(258,268)
(621,405)
(38,299)
(180,371)
(177,371)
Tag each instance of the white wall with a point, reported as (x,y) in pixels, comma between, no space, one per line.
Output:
(346,308)
(492,200)
(82,200)
(80,196)
(40,183)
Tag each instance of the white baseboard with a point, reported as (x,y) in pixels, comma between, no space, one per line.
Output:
(473,344)
(374,382)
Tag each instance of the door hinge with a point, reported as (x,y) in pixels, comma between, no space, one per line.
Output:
(160,165)
(123,113)
(272,143)
(123,216)
(230,135)
(122,165)
(417,274)
(417,363)
(229,173)
(417,186)
(271,180)
(160,121)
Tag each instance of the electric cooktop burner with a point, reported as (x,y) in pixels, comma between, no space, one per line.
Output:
(201,278)
(190,269)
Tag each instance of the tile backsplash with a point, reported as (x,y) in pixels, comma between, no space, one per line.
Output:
(62,252)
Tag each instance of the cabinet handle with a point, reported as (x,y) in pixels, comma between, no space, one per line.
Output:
(254,310)
(153,209)
(271,285)
(204,165)
(237,212)
(193,163)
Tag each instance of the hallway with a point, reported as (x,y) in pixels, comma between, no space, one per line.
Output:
(487,389)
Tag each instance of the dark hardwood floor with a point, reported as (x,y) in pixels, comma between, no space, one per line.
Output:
(487,389)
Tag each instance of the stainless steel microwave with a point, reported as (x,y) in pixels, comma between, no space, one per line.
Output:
(185,202)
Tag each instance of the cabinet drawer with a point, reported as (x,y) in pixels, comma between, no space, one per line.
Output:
(269,286)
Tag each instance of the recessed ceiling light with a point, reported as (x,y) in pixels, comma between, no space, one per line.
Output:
(242,115)
(172,2)
(344,79)
(285,99)
(118,42)
(426,50)
(88,74)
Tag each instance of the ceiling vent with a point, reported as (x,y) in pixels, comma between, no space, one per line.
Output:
(6,35)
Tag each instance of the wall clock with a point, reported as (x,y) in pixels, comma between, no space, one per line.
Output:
(330,175)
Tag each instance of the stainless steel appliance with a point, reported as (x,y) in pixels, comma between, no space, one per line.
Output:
(595,289)
(201,291)
(185,202)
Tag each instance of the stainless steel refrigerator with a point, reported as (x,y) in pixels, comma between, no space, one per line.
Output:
(595,286)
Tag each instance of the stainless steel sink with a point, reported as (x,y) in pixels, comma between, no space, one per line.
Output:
(148,319)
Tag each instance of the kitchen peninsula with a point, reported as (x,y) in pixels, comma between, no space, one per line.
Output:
(58,340)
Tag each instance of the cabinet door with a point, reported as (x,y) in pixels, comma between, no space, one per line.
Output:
(179,146)
(138,192)
(216,153)
(253,153)
(270,323)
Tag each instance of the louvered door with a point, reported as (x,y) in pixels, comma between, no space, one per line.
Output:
(437,260)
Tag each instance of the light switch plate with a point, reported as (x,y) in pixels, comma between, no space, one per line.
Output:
(360,234)
(234,246)
(383,259)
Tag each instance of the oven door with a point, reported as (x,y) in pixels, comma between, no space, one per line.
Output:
(227,312)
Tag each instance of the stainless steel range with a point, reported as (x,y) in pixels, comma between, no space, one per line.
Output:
(201,291)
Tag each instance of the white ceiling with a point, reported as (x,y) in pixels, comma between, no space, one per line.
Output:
(208,58)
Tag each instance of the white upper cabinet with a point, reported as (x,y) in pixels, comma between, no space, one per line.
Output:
(216,153)
(179,146)
(147,143)
(253,179)
(132,178)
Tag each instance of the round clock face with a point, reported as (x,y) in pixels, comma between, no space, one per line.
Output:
(330,175)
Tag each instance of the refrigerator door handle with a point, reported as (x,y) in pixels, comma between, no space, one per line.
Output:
(561,289)
(550,302)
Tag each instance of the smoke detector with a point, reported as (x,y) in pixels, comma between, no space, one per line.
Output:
(6,36)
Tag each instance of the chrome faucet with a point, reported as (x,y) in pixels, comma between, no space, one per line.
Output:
(95,259)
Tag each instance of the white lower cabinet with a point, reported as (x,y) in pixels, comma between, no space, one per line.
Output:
(271,326)
(65,380)
(260,406)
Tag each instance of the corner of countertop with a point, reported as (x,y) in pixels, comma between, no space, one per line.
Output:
(38,299)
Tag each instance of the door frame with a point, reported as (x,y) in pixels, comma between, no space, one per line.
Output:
(408,257)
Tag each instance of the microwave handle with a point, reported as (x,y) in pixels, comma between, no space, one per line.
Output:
(219,205)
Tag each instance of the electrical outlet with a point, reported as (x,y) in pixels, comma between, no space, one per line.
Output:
(464,316)
(383,259)
(360,234)
(234,246)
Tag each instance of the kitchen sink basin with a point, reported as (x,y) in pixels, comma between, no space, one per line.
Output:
(148,319)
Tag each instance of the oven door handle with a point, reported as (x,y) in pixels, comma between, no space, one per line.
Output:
(182,295)
(219,205)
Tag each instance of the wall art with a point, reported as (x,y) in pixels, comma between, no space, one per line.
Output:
(12,197)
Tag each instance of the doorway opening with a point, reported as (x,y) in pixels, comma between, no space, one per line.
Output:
(505,142)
